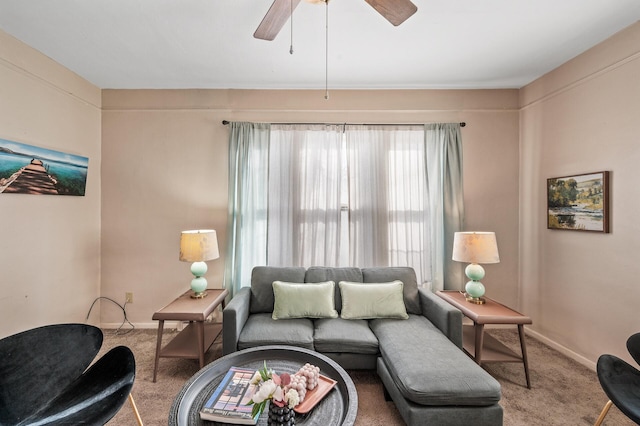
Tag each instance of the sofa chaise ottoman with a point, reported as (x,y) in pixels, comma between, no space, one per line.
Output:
(370,318)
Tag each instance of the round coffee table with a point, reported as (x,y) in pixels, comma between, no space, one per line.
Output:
(338,407)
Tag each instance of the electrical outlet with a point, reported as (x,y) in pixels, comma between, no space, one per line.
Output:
(128,297)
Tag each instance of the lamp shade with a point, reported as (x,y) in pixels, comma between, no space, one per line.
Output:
(198,245)
(475,247)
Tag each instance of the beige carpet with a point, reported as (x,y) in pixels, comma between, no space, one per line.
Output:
(563,393)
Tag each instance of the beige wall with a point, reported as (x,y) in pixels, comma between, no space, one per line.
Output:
(162,156)
(165,170)
(580,287)
(50,262)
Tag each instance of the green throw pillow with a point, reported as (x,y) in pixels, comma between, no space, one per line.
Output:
(309,300)
(372,300)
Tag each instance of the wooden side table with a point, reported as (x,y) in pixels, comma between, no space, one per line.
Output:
(487,348)
(197,337)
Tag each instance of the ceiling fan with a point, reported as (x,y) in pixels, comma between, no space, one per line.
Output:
(394,11)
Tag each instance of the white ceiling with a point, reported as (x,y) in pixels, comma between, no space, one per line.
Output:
(209,43)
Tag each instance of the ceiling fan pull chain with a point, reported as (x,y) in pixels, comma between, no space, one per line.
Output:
(326,51)
(291,18)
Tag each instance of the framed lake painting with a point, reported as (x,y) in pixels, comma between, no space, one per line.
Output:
(579,202)
(28,169)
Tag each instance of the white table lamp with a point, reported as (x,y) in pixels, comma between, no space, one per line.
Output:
(198,246)
(475,248)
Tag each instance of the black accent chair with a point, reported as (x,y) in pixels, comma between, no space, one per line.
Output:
(44,379)
(621,382)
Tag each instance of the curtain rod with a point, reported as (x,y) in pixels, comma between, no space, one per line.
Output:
(462,124)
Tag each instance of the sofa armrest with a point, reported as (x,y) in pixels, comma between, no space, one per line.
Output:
(443,315)
(234,316)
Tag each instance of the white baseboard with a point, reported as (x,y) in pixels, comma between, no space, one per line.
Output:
(216,316)
(141,325)
(551,343)
(562,349)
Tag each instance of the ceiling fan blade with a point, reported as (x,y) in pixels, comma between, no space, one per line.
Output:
(394,11)
(274,20)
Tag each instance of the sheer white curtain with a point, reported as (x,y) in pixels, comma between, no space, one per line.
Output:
(304,195)
(388,197)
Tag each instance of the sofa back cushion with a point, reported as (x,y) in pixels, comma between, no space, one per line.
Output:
(405,274)
(317,274)
(262,278)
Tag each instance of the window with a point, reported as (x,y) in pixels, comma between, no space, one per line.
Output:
(343,195)
(348,196)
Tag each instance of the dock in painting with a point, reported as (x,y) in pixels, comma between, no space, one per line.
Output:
(28,169)
(31,179)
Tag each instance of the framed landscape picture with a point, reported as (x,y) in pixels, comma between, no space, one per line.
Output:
(579,202)
(28,169)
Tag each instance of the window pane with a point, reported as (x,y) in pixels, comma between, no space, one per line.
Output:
(387,197)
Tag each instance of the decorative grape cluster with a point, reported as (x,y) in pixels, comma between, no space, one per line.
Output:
(299,383)
(281,416)
(311,372)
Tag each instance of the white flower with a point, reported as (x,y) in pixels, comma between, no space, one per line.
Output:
(257,378)
(292,397)
(265,391)
(278,394)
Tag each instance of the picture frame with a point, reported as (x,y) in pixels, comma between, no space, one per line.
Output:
(579,202)
(29,169)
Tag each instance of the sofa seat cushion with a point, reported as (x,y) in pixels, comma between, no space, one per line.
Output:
(340,335)
(261,330)
(428,368)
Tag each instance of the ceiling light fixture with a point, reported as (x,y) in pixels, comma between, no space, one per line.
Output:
(394,11)
(326,49)
(326,41)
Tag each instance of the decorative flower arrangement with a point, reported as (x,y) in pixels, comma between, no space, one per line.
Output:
(272,387)
(283,390)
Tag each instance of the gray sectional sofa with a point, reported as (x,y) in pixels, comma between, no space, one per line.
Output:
(419,359)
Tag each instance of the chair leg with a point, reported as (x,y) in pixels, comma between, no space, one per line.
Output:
(135,410)
(604,412)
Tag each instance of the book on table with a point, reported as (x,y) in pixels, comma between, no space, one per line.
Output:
(229,402)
